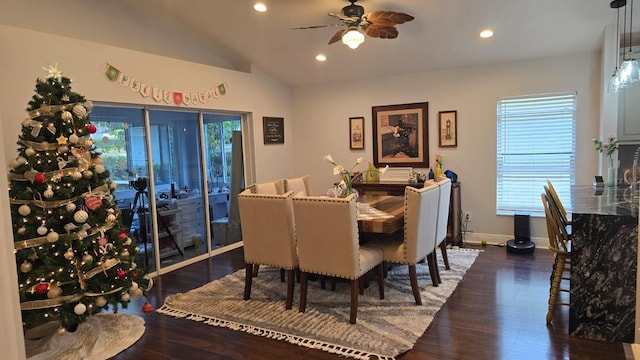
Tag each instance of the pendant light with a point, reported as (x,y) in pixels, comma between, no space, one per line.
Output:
(629,71)
(614,81)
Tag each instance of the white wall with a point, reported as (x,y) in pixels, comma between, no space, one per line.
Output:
(321,123)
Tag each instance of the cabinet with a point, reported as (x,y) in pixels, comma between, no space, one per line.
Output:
(192,219)
(629,115)
(454,226)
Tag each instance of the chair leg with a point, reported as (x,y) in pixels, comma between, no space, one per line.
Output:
(445,258)
(433,269)
(333,284)
(303,292)
(290,285)
(256,267)
(355,289)
(323,282)
(247,281)
(414,283)
(381,280)
(282,275)
(555,286)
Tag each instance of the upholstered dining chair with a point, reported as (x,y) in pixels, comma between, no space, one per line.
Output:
(268,233)
(300,184)
(275,187)
(444,198)
(560,245)
(418,240)
(328,244)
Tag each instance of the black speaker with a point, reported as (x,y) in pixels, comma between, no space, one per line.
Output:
(522,243)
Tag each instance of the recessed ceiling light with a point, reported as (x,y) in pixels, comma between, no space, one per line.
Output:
(485,34)
(261,7)
(321,57)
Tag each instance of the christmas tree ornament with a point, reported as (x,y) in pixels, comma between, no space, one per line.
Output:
(40,178)
(69,254)
(88,105)
(76,175)
(99,169)
(80,217)
(135,294)
(63,149)
(24,210)
(125,297)
(87,258)
(52,237)
(21,161)
(61,162)
(123,235)
(54,292)
(91,129)
(98,160)
(125,253)
(70,207)
(42,288)
(26,266)
(93,202)
(48,194)
(61,330)
(62,140)
(66,115)
(73,138)
(87,174)
(29,151)
(22,230)
(147,308)
(127,242)
(121,274)
(42,230)
(80,309)
(134,285)
(79,111)
(101,301)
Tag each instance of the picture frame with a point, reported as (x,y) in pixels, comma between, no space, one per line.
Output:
(448,128)
(356,133)
(273,130)
(401,135)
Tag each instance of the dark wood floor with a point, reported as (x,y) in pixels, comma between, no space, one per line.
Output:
(497,312)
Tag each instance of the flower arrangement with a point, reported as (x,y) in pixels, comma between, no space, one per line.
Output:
(347,177)
(608,147)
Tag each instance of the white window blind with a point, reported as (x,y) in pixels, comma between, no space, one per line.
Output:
(535,142)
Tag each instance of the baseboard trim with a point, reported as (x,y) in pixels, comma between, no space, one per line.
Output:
(496,239)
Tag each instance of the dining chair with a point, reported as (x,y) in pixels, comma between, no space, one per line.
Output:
(328,244)
(275,187)
(553,196)
(444,199)
(560,245)
(268,233)
(418,240)
(300,184)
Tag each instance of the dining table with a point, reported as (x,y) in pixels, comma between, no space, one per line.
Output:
(383,214)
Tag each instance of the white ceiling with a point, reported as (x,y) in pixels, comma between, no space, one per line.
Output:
(444,34)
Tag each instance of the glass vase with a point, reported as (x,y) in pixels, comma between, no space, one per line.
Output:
(612,176)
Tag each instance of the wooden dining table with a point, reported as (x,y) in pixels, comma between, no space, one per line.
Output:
(392,206)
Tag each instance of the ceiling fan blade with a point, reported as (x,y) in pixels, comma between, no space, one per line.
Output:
(387,18)
(312,27)
(337,36)
(382,32)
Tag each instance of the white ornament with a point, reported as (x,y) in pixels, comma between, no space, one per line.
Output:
(76,175)
(52,237)
(80,309)
(24,210)
(88,174)
(22,230)
(133,265)
(63,149)
(134,285)
(87,258)
(136,294)
(69,254)
(111,218)
(99,169)
(26,266)
(98,160)
(89,105)
(125,253)
(80,111)
(21,160)
(26,122)
(71,207)
(127,242)
(48,194)
(81,216)
(82,234)
(101,301)
(66,116)
(73,138)
(125,297)
(13,163)
(54,292)
(30,152)
(61,331)
(42,230)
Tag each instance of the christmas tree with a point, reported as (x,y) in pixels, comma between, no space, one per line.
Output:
(74,258)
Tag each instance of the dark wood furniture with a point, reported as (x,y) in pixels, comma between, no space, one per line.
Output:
(454,228)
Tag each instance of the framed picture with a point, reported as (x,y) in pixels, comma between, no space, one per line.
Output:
(448,128)
(356,133)
(273,130)
(401,135)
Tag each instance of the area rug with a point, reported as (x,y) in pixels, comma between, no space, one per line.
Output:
(102,336)
(384,329)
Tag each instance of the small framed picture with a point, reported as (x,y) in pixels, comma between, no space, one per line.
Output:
(273,129)
(448,128)
(356,133)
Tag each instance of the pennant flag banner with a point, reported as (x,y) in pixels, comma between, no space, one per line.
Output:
(187,98)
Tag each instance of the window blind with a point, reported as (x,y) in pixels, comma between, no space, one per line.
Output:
(535,143)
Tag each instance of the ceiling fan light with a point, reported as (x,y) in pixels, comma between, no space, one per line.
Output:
(353,38)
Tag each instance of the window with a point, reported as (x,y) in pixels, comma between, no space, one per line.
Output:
(535,143)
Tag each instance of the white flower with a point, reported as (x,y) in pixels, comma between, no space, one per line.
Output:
(383,170)
(338,169)
(329,159)
(359,160)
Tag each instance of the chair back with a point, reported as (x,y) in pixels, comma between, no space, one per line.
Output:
(275,187)
(327,235)
(444,199)
(420,221)
(557,232)
(557,208)
(268,229)
(556,199)
(300,184)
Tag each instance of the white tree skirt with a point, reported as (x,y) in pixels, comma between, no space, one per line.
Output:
(100,337)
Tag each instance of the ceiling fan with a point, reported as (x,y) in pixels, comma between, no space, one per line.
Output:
(355,23)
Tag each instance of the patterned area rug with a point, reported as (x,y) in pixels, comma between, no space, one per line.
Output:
(384,329)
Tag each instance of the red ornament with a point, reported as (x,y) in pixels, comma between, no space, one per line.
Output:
(91,129)
(93,202)
(121,274)
(147,308)
(42,288)
(134,275)
(40,178)
(123,236)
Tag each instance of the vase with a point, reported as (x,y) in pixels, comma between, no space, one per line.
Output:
(612,176)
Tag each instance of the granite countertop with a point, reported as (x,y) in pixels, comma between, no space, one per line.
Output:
(587,199)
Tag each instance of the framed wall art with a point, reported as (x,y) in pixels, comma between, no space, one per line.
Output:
(273,130)
(401,135)
(356,133)
(448,128)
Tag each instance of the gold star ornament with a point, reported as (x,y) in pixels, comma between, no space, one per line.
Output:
(62,140)
(53,72)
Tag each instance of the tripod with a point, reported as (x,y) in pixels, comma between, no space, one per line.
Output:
(142,211)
